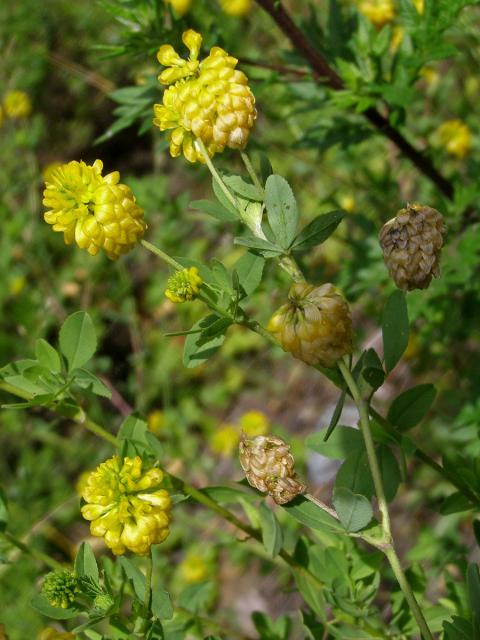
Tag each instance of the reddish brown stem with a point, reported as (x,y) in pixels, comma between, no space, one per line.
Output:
(324,72)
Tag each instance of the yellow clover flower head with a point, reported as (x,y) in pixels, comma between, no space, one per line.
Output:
(17,105)
(254,423)
(95,211)
(208,100)
(224,440)
(126,506)
(184,285)
(455,137)
(52,634)
(379,12)
(236,8)
(60,588)
(181,7)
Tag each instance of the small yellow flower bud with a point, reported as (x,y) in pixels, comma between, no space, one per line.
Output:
(17,105)
(379,12)
(455,137)
(411,244)
(236,8)
(269,467)
(95,211)
(315,325)
(184,285)
(126,506)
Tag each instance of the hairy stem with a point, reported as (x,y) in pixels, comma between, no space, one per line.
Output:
(251,170)
(216,176)
(389,548)
(161,254)
(323,71)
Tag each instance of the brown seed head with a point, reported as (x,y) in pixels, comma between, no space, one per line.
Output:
(411,244)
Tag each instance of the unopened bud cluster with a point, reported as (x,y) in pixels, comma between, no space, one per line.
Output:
(270,467)
(411,244)
(60,588)
(184,285)
(315,325)
(208,100)
(126,506)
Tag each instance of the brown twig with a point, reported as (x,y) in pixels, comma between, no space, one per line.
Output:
(322,71)
(91,77)
(280,68)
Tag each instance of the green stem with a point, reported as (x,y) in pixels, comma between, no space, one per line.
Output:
(148,584)
(216,176)
(369,446)
(388,548)
(408,593)
(251,170)
(289,264)
(161,254)
(31,551)
(97,429)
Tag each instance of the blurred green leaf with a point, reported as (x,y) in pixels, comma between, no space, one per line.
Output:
(411,406)
(342,442)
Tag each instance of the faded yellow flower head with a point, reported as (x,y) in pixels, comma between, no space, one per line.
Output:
(181,6)
(95,211)
(254,423)
(236,8)
(379,12)
(315,325)
(208,100)
(225,440)
(184,285)
(126,505)
(455,137)
(17,105)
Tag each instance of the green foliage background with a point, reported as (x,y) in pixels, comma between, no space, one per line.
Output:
(90,71)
